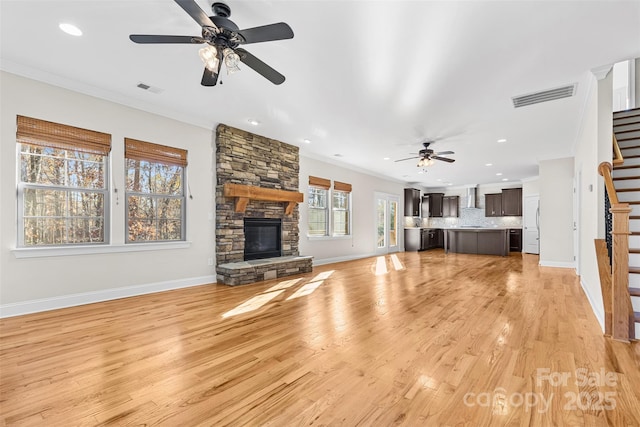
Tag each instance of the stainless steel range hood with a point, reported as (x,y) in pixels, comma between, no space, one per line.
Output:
(472,197)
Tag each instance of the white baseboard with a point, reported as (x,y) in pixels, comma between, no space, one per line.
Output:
(46,304)
(598,310)
(557,264)
(341,259)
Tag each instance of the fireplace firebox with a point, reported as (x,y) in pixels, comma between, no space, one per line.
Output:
(262,238)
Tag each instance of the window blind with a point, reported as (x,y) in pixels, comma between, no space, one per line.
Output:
(342,186)
(48,134)
(320,182)
(141,150)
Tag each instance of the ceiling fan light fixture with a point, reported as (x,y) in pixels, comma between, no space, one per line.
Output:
(209,55)
(231,60)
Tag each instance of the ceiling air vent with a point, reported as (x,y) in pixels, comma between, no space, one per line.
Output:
(544,96)
(152,89)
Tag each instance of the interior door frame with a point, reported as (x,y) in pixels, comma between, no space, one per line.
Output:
(388,248)
(524,222)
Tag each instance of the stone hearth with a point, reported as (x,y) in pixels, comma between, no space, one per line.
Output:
(253,160)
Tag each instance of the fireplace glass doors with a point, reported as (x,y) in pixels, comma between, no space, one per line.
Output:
(262,238)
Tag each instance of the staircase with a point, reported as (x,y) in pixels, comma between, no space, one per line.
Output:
(626,180)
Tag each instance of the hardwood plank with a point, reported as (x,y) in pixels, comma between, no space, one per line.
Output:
(423,345)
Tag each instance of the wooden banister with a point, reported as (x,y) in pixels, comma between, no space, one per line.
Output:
(604,169)
(622,327)
(620,297)
(617,154)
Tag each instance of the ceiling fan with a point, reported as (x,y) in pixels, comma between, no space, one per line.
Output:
(427,156)
(222,38)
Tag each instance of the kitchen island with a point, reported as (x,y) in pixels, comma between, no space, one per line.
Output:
(477,240)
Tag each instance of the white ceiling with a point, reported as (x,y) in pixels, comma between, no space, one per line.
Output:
(365,79)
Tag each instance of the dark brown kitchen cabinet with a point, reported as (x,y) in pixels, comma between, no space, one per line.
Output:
(493,204)
(412,239)
(432,204)
(421,239)
(450,206)
(515,240)
(512,202)
(411,202)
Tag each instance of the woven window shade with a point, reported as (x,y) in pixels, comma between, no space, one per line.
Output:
(140,150)
(320,182)
(342,186)
(48,134)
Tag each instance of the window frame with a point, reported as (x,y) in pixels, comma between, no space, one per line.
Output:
(325,209)
(347,211)
(330,209)
(156,158)
(47,135)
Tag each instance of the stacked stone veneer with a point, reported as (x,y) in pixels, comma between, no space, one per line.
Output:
(249,159)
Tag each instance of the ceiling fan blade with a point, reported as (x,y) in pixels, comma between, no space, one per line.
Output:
(260,67)
(148,38)
(266,33)
(209,78)
(444,152)
(408,158)
(444,159)
(192,8)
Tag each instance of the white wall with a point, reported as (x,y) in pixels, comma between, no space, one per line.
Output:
(32,284)
(362,241)
(556,212)
(588,182)
(530,187)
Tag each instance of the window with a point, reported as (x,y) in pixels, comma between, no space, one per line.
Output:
(341,209)
(154,192)
(318,218)
(319,196)
(318,202)
(62,192)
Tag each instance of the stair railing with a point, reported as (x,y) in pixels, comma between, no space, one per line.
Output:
(620,299)
(617,154)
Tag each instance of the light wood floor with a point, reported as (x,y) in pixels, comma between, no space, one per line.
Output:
(444,340)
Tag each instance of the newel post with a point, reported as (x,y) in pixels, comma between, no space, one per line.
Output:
(620,272)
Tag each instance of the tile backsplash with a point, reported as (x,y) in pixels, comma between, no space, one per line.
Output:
(470,216)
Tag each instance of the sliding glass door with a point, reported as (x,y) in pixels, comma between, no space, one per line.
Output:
(386,211)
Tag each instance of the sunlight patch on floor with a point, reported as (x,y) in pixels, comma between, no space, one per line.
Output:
(397,264)
(253,303)
(285,284)
(381,266)
(260,300)
(305,290)
(323,276)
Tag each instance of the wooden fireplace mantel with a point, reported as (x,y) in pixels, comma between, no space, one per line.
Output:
(244,193)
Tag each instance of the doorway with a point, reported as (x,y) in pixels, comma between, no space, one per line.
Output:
(386,223)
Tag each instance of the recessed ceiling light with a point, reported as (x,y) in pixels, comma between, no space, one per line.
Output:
(439,179)
(505,179)
(386,158)
(253,122)
(306,141)
(70,29)
(502,140)
(488,164)
(499,173)
(451,183)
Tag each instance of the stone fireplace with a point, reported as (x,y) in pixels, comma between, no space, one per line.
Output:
(246,159)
